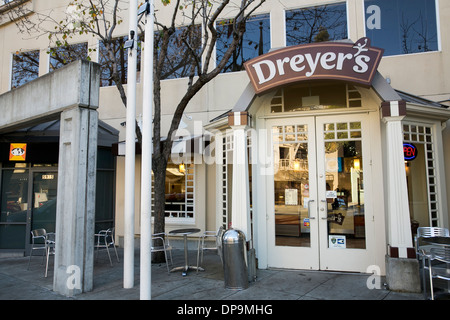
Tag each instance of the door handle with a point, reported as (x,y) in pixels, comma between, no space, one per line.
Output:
(324,208)
(309,209)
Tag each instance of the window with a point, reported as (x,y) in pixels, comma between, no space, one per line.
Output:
(310,96)
(422,175)
(402,26)
(255,42)
(25,67)
(179,191)
(105,190)
(2,2)
(66,54)
(180,61)
(121,63)
(316,24)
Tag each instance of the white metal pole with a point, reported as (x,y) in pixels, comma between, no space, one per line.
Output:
(128,259)
(146,171)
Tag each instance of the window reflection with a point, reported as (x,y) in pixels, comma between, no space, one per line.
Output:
(179,192)
(255,42)
(121,61)
(291,185)
(65,54)
(402,26)
(344,173)
(14,205)
(25,67)
(316,24)
(180,61)
(44,201)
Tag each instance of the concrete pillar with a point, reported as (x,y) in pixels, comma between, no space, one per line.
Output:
(401,257)
(240,201)
(75,211)
(72,93)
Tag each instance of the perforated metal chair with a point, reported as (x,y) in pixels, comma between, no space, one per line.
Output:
(440,254)
(160,242)
(38,237)
(50,245)
(423,248)
(105,239)
(209,245)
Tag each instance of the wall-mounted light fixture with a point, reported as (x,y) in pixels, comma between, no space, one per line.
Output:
(356,164)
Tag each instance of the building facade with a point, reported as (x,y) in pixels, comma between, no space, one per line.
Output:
(334,172)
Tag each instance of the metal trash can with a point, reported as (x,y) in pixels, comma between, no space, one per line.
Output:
(235,260)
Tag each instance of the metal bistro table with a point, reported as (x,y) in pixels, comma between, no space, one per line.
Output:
(184,233)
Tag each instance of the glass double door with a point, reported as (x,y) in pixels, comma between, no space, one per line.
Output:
(28,202)
(318,217)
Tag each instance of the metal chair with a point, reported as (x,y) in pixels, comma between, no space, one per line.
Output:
(105,239)
(423,248)
(205,246)
(163,245)
(50,248)
(38,237)
(441,254)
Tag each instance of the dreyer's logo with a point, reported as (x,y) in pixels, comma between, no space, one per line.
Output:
(356,62)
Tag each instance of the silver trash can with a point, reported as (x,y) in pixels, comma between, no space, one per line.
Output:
(235,260)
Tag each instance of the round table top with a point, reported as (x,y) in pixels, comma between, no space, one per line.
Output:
(444,241)
(184,231)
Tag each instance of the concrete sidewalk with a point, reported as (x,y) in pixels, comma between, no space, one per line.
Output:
(18,283)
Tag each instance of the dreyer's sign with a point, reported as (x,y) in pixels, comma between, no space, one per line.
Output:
(356,62)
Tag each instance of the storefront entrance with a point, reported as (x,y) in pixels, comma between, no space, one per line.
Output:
(28,202)
(320,218)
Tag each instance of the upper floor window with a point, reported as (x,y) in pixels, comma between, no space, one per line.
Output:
(66,54)
(107,63)
(184,45)
(316,24)
(25,67)
(402,26)
(255,42)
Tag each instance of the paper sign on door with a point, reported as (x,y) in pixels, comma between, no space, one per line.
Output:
(291,197)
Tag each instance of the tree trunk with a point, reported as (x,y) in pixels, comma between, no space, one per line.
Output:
(159,186)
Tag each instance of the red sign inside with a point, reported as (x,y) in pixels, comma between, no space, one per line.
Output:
(409,151)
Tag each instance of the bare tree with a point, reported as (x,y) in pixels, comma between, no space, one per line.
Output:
(415,35)
(186,51)
(315,24)
(202,13)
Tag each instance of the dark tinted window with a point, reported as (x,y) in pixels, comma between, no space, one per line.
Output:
(401,26)
(66,54)
(316,24)
(256,41)
(121,57)
(180,61)
(25,67)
